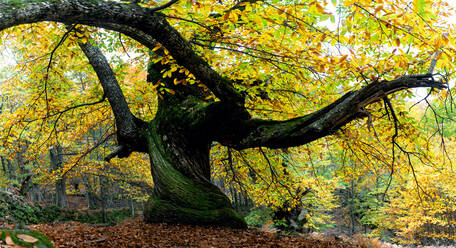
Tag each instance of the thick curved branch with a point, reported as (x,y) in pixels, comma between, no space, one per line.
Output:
(134,33)
(127,129)
(326,121)
(105,14)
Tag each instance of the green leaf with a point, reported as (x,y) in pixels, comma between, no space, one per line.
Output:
(420,6)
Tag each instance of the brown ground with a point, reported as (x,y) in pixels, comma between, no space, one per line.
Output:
(136,233)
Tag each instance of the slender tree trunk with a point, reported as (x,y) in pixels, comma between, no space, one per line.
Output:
(55,155)
(91,197)
(104,198)
(2,160)
(25,180)
(35,193)
(12,172)
(132,207)
(352,208)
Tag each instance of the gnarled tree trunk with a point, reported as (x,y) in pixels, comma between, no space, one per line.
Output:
(181,172)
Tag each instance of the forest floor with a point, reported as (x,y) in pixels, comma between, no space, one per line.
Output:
(136,233)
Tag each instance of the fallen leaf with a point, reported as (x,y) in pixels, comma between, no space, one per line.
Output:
(27,238)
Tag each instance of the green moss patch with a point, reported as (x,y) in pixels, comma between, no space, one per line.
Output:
(158,210)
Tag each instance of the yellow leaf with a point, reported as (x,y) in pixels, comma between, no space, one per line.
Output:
(226,16)
(156,47)
(319,8)
(378,9)
(248,8)
(343,58)
(84,40)
(233,16)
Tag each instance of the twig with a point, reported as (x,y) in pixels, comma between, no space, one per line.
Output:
(88,151)
(46,76)
(121,43)
(68,109)
(274,174)
(164,6)
(433,62)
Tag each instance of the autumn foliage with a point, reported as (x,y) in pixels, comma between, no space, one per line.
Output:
(389,167)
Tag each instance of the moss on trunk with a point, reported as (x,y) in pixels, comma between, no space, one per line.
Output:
(159,210)
(183,191)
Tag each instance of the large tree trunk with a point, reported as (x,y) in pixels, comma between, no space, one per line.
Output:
(181,172)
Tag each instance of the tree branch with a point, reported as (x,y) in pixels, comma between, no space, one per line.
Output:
(240,6)
(87,152)
(119,151)
(127,124)
(164,6)
(104,14)
(48,68)
(326,121)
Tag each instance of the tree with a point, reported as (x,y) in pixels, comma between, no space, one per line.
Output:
(56,159)
(198,105)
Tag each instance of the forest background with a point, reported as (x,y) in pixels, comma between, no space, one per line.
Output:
(388,175)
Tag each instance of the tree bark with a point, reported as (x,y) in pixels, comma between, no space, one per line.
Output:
(35,193)
(90,194)
(55,155)
(127,124)
(104,198)
(181,172)
(3,165)
(324,122)
(9,169)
